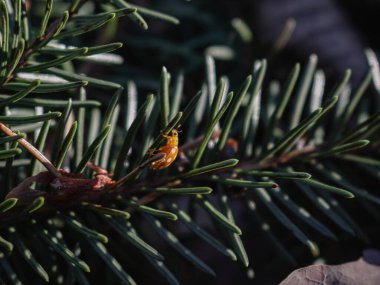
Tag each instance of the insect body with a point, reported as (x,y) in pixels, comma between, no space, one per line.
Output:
(170,150)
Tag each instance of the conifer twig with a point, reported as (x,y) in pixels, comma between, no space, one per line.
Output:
(35,45)
(33,151)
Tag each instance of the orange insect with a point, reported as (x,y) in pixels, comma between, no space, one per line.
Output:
(170,150)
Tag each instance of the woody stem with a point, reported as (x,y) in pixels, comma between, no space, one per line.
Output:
(33,151)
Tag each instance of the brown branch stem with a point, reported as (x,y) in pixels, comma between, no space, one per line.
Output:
(32,150)
(69,197)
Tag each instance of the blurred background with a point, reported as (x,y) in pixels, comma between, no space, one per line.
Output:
(336,31)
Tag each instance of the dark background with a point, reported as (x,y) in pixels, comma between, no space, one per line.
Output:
(336,31)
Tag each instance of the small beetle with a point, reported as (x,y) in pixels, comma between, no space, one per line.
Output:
(170,150)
